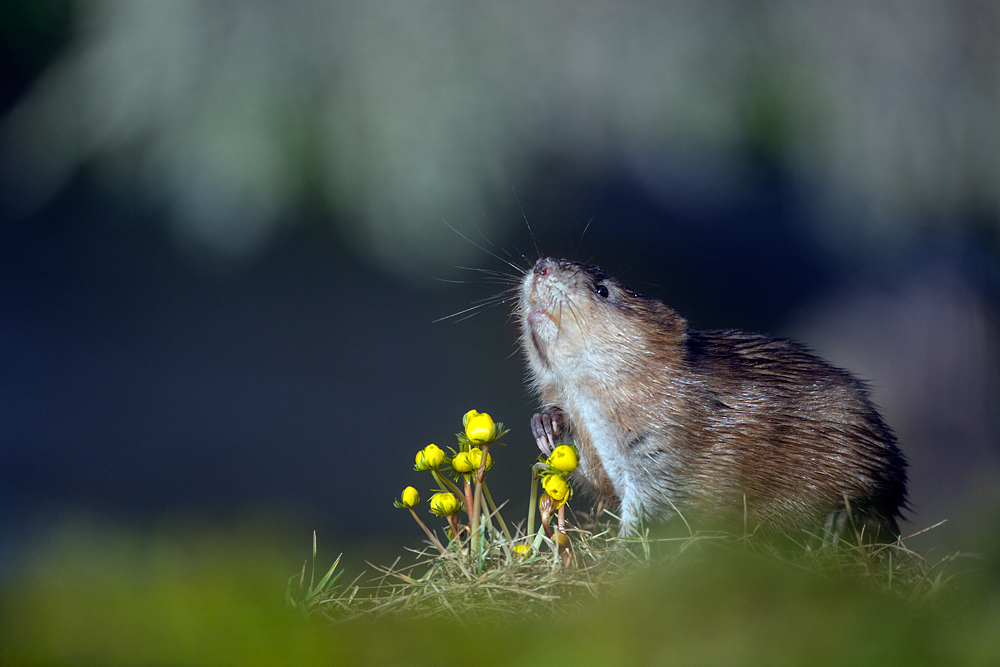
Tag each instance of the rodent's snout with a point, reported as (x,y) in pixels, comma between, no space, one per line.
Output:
(543,267)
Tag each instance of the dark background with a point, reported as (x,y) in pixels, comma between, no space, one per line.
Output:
(165,355)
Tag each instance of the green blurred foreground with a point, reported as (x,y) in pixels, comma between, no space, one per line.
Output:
(198,598)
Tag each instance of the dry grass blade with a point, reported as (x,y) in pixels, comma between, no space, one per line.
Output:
(535,586)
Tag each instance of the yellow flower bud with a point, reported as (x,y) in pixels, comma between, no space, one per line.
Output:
(444,503)
(462,463)
(476,458)
(563,459)
(479,426)
(430,457)
(522,549)
(410,497)
(557,488)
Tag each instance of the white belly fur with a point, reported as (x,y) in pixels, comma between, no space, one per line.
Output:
(588,415)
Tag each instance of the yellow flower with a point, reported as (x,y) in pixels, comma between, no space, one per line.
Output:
(557,488)
(462,462)
(444,503)
(410,498)
(563,459)
(430,457)
(468,415)
(476,458)
(522,549)
(479,426)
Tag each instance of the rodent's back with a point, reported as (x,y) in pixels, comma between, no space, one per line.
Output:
(720,425)
(792,432)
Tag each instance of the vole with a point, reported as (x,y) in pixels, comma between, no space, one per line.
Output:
(718,426)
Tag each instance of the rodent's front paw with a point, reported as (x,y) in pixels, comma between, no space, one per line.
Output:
(545,426)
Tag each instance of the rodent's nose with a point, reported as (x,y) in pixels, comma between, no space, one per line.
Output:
(543,267)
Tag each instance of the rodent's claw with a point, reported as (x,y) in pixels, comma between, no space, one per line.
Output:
(545,425)
(542,438)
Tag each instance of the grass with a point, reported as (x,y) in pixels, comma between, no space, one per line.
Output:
(433,584)
(209,597)
(502,585)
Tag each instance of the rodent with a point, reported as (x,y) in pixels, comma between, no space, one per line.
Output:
(718,426)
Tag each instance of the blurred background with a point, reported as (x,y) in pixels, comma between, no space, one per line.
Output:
(226,234)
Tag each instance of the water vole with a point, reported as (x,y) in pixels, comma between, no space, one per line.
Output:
(716,425)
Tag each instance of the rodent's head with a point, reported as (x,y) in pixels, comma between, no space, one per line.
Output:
(574,314)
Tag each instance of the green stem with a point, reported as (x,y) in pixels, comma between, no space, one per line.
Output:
(477,503)
(537,541)
(485,515)
(493,508)
(533,503)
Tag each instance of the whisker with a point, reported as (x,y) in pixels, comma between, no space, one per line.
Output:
(513,245)
(573,311)
(559,317)
(577,251)
(486,303)
(503,249)
(621,275)
(490,272)
(473,282)
(507,294)
(526,223)
(492,254)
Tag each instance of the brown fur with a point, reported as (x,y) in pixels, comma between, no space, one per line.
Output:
(717,425)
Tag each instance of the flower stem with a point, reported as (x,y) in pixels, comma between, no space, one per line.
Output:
(473,517)
(477,508)
(564,550)
(493,508)
(532,504)
(456,531)
(434,539)
(477,503)
(545,526)
(481,473)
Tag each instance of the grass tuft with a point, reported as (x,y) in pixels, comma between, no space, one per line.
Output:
(551,580)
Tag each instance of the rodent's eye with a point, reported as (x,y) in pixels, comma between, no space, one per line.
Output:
(602,291)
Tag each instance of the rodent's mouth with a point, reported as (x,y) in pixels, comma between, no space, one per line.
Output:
(538,304)
(535,315)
